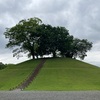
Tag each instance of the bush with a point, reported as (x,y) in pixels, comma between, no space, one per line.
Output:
(2,66)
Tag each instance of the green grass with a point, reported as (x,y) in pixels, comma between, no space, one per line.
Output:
(66,74)
(13,75)
(61,74)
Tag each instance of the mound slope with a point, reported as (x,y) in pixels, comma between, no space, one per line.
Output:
(62,74)
(67,74)
(11,76)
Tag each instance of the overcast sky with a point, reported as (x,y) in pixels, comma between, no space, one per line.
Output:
(80,17)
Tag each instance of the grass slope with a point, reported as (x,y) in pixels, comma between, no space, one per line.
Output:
(67,74)
(15,74)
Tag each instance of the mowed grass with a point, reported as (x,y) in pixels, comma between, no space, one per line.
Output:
(66,74)
(15,74)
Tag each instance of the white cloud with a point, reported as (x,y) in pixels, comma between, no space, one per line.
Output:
(93,58)
(7,58)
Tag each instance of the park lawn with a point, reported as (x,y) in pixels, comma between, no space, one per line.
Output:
(15,74)
(64,74)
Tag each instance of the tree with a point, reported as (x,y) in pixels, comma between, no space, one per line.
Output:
(54,39)
(24,37)
(59,40)
(64,40)
(37,39)
(79,48)
(2,66)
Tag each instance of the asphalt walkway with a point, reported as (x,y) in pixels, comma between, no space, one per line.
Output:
(49,95)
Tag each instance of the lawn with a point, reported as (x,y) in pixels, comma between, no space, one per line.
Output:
(13,75)
(59,74)
(65,74)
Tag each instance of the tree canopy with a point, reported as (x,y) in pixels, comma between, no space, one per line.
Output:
(37,39)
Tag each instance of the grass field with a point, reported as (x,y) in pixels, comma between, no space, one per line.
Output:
(66,74)
(61,74)
(11,76)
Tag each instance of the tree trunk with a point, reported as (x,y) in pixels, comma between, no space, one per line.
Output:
(54,54)
(32,51)
(33,56)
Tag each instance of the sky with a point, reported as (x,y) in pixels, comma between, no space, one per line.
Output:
(80,17)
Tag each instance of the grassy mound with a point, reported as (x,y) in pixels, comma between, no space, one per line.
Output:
(56,74)
(13,75)
(66,74)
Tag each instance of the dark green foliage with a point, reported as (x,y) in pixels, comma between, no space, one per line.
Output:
(2,66)
(54,39)
(80,47)
(24,36)
(37,39)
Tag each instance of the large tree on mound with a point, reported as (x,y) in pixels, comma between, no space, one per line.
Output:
(24,37)
(37,39)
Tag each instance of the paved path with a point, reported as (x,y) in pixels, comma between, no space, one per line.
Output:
(46,95)
(28,80)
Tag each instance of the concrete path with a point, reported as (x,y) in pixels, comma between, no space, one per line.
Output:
(52,95)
